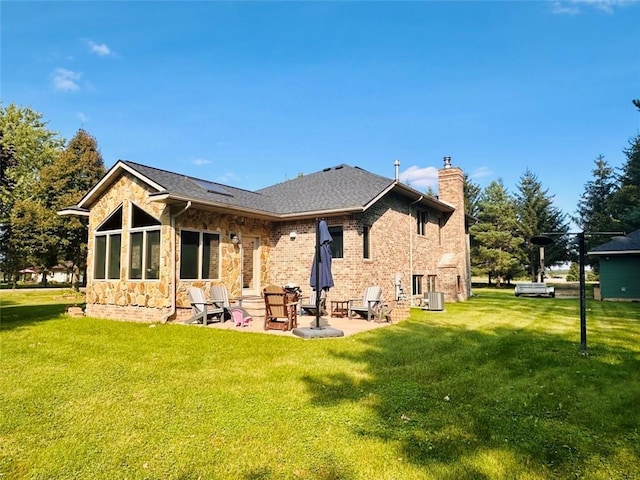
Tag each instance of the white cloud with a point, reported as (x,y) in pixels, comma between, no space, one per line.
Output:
(82,117)
(200,161)
(226,178)
(562,8)
(573,7)
(101,49)
(481,172)
(420,178)
(66,80)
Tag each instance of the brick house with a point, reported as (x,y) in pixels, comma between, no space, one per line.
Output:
(154,233)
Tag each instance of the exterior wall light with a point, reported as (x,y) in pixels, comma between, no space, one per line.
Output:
(293,235)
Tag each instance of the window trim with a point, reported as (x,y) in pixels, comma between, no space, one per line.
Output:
(366,242)
(341,227)
(201,234)
(109,236)
(145,230)
(417,284)
(422,217)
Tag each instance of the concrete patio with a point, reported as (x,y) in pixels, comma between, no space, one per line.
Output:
(348,326)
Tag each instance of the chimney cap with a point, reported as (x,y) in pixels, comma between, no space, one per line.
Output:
(447,162)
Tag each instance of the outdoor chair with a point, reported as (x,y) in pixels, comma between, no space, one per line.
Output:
(220,299)
(280,309)
(367,305)
(202,309)
(309,306)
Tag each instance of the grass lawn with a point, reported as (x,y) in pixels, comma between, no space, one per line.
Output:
(492,388)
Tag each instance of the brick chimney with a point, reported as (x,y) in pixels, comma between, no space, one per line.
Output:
(453,235)
(451,185)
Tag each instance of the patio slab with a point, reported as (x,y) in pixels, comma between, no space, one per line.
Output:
(305,322)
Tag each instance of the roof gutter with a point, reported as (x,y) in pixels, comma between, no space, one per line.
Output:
(174,276)
(164,197)
(614,252)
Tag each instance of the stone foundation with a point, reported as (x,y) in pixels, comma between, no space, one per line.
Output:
(126,312)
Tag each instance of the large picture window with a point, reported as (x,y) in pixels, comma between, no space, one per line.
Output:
(108,241)
(144,247)
(199,255)
(337,246)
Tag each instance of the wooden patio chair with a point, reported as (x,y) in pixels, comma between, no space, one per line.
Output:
(367,305)
(280,309)
(202,309)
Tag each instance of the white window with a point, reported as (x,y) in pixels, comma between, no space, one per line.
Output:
(108,240)
(144,246)
(421,222)
(199,255)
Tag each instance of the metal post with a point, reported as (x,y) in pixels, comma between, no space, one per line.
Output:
(583,313)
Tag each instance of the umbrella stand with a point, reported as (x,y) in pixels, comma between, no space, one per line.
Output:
(317,331)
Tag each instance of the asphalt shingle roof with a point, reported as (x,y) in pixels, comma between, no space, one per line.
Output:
(200,189)
(627,243)
(342,187)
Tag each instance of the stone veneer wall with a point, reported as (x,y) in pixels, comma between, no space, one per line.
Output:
(230,261)
(128,299)
(151,300)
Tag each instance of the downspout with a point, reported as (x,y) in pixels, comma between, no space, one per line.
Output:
(411,246)
(174,277)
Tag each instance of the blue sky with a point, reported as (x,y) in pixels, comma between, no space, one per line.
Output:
(254,93)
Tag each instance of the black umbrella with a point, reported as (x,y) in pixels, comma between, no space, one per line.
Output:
(321,278)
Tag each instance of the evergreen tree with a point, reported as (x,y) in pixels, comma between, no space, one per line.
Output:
(625,203)
(496,244)
(471,196)
(536,215)
(594,212)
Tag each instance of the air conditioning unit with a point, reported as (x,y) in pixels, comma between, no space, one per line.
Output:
(435,300)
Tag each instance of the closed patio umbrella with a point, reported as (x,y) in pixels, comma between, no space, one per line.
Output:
(321,281)
(321,278)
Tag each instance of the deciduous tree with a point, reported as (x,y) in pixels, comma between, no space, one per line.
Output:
(77,169)
(27,146)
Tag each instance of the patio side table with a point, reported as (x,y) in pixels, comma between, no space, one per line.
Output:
(339,308)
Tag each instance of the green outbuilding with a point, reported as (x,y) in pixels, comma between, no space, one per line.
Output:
(619,267)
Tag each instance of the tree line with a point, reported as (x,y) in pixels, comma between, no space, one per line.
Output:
(41,173)
(500,239)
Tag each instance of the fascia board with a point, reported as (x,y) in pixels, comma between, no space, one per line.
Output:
(109,178)
(614,252)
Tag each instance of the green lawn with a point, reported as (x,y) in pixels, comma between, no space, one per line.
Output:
(493,388)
